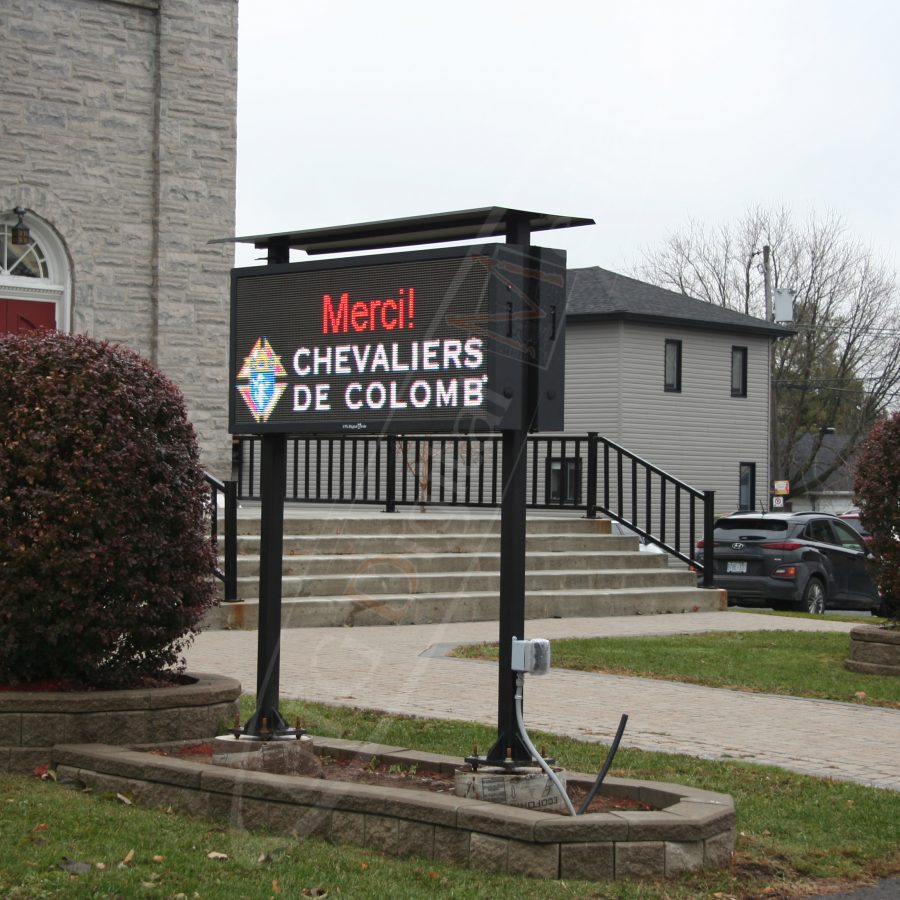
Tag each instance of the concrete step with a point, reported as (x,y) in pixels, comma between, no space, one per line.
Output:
(449,542)
(409,581)
(375,523)
(373,568)
(459,563)
(468,606)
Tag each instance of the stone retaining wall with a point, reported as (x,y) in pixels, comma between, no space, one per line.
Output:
(874,651)
(32,722)
(689,829)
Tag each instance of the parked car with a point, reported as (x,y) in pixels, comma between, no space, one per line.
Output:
(804,560)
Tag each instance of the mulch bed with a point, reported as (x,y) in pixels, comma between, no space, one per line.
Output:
(358,771)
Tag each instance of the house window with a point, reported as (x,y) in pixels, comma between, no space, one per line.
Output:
(747,486)
(563,480)
(738,371)
(673,366)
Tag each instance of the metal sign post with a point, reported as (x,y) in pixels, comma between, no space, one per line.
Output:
(266,723)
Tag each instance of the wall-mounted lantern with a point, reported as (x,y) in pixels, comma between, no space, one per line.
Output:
(20,233)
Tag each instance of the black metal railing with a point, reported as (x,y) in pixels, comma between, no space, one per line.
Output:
(227,574)
(565,472)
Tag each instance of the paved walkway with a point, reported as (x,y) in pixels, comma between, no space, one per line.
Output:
(403,669)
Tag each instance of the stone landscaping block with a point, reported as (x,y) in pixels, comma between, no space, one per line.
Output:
(683,857)
(249,813)
(10,730)
(415,839)
(436,809)
(90,728)
(488,853)
(534,861)
(299,821)
(503,821)
(345,749)
(640,859)
(706,819)
(717,850)
(595,827)
(589,862)
(434,762)
(657,825)
(39,730)
(451,846)
(382,833)
(218,807)
(348,828)
(26,759)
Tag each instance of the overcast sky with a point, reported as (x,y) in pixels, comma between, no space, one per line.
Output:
(641,115)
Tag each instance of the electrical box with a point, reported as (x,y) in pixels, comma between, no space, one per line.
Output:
(531,656)
(784,305)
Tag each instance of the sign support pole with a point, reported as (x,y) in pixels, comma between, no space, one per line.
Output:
(509,748)
(266,722)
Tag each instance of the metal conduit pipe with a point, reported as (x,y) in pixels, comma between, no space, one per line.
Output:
(520,681)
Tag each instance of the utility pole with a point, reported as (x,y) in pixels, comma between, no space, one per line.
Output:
(773,399)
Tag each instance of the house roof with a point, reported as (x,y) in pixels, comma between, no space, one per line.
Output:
(596,294)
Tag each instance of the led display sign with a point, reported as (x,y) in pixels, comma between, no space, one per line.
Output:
(422,341)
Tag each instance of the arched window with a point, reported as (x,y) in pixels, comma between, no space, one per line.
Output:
(34,278)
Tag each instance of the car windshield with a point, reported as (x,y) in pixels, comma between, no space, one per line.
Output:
(760,529)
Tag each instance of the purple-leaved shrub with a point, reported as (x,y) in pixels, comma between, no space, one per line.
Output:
(105,555)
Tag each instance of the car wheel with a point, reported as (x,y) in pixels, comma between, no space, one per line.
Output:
(814,596)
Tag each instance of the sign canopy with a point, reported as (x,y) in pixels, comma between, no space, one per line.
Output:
(460,225)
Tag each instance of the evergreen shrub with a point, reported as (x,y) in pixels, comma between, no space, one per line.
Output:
(105,556)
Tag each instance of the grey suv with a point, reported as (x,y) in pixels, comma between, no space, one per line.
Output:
(804,560)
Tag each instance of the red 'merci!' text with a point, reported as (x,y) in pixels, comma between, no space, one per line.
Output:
(388,314)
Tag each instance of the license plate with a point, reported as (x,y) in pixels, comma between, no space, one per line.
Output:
(734,567)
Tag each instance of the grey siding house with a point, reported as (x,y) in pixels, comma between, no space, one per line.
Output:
(680,382)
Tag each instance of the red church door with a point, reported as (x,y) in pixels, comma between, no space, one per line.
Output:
(17,316)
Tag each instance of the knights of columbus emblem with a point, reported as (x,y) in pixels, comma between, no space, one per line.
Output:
(262,366)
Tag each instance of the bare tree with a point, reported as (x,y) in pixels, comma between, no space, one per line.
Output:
(842,368)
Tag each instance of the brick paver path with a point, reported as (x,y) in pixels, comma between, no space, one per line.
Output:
(403,669)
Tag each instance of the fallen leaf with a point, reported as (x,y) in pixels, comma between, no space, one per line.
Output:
(100,865)
(364,865)
(264,858)
(41,826)
(123,799)
(276,887)
(214,854)
(850,803)
(129,856)
(73,867)
(860,695)
(158,858)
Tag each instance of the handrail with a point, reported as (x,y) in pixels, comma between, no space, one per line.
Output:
(465,470)
(229,491)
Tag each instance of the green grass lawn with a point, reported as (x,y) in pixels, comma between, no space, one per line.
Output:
(797,663)
(796,834)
